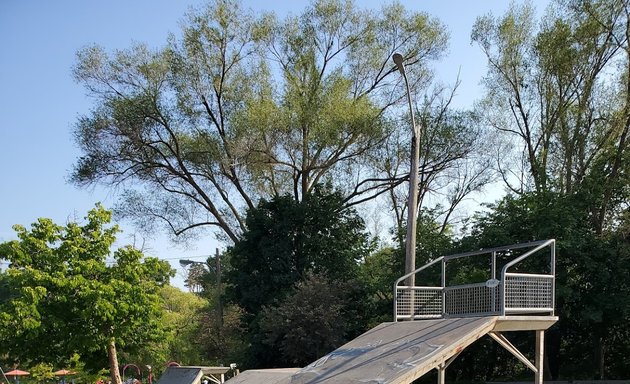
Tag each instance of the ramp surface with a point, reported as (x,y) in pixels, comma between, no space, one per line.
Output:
(267,376)
(394,353)
(181,375)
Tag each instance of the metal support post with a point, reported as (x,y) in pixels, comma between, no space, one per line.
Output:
(540,350)
(441,374)
(442,368)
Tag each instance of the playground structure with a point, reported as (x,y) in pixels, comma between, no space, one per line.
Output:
(463,297)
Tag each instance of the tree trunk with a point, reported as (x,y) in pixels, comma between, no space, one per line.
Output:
(114,372)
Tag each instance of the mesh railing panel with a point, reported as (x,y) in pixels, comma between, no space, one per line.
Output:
(528,293)
(427,303)
(503,293)
(476,299)
(523,294)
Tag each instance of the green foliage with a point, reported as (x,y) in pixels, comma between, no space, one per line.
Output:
(591,294)
(223,340)
(246,106)
(42,373)
(377,274)
(69,293)
(434,240)
(286,242)
(558,91)
(182,316)
(287,239)
(310,322)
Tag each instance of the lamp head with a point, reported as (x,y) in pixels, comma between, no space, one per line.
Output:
(185,263)
(398,59)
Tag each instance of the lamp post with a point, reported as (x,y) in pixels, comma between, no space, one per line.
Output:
(412,203)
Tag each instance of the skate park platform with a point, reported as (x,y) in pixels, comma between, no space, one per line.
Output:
(434,324)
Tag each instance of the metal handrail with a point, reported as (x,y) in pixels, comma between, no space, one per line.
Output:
(542,244)
(496,249)
(418,270)
(534,289)
(406,276)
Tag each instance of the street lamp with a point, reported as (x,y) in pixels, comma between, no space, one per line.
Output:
(217,260)
(412,203)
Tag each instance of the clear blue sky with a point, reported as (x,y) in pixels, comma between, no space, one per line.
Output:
(39,100)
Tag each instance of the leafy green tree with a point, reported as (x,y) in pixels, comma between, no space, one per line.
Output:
(223,340)
(285,242)
(287,239)
(69,293)
(181,322)
(559,93)
(245,106)
(310,322)
(42,373)
(591,291)
(377,274)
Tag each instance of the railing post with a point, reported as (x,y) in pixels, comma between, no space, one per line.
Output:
(443,293)
(502,293)
(493,276)
(553,273)
(395,303)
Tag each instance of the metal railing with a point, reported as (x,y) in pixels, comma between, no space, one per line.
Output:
(507,291)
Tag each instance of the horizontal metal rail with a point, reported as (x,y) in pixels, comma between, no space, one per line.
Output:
(512,293)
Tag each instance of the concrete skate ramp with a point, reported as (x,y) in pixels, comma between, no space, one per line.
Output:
(181,375)
(267,376)
(394,353)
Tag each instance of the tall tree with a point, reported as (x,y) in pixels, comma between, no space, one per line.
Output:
(454,160)
(244,107)
(560,92)
(69,293)
(181,321)
(286,242)
(287,239)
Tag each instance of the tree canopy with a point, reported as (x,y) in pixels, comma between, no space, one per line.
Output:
(246,106)
(560,93)
(239,122)
(290,249)
(287,239)
(70,293)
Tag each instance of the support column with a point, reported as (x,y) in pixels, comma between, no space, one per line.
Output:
(442,368)
(441,374)
(540,350)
